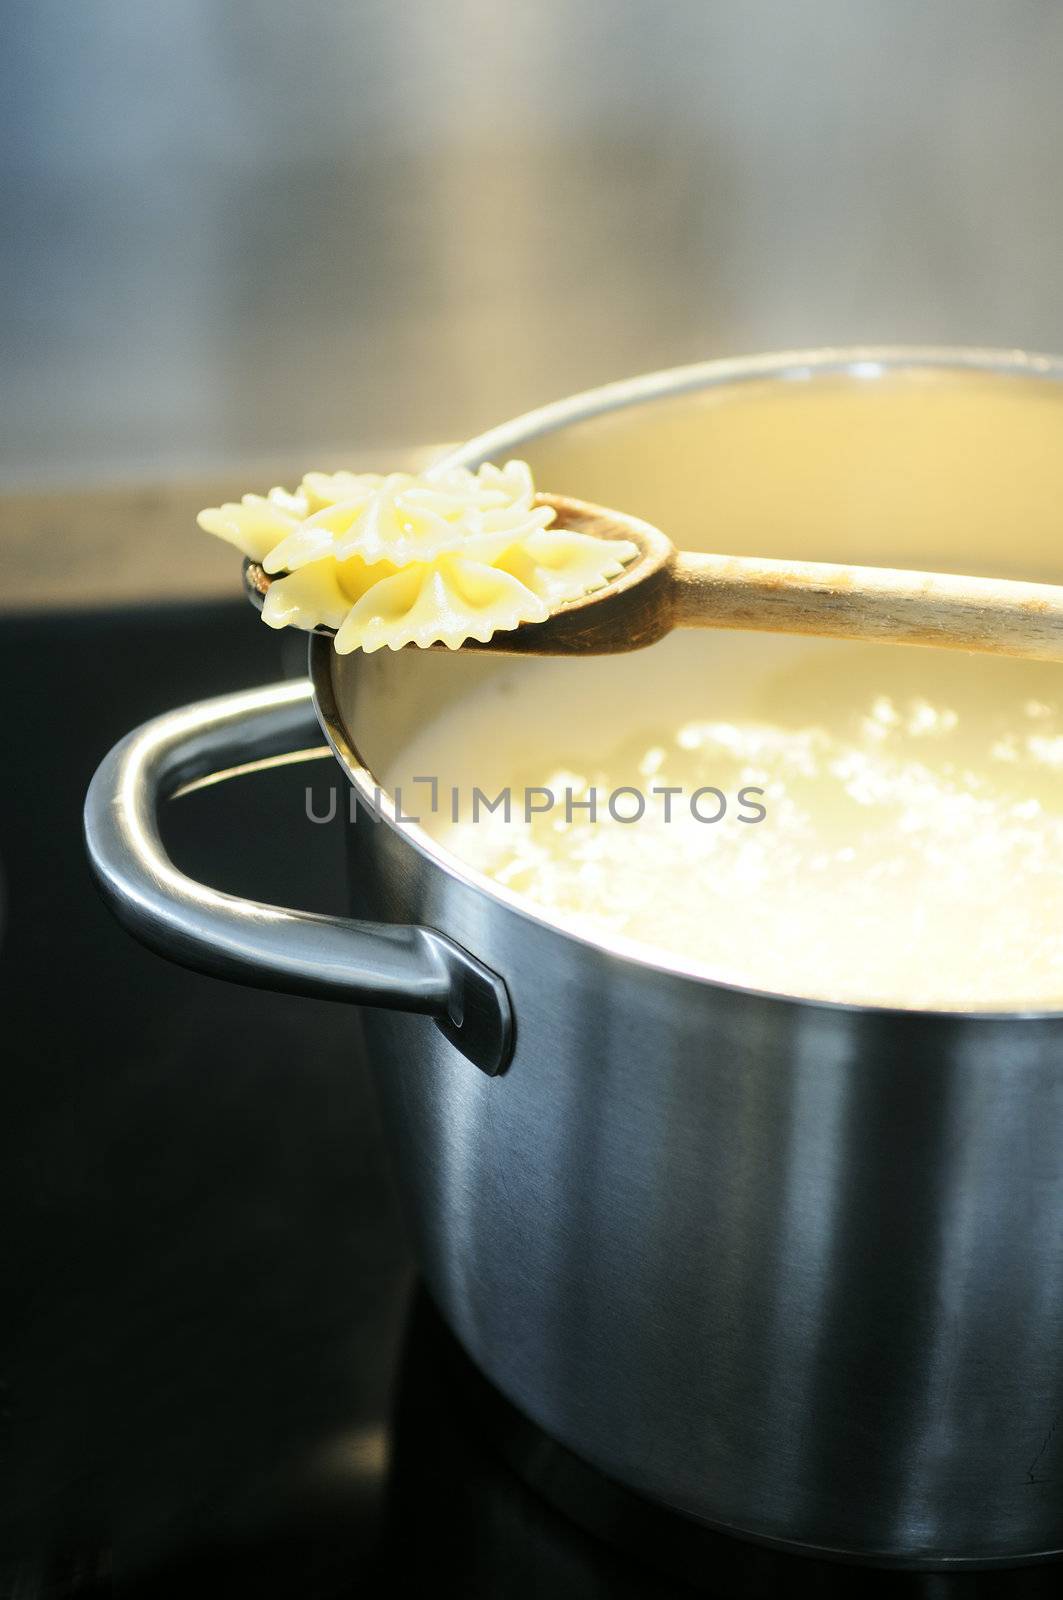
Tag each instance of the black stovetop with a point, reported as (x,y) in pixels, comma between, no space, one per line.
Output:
(215,1366)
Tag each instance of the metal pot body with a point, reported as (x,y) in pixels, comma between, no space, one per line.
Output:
(791,1268)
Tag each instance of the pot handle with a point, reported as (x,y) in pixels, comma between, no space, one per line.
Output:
(297,952)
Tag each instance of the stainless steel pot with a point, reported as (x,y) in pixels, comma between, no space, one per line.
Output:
(793,1268)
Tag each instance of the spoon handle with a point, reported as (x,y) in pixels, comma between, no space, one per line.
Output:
(989,614)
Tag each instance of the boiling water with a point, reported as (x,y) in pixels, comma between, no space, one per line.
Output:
(910,849)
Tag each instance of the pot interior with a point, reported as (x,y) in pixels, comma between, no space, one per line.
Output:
(912,465)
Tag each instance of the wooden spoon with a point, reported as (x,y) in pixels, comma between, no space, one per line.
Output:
(663,588)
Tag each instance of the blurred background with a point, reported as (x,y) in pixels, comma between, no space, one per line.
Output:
(243,229)
(240,239)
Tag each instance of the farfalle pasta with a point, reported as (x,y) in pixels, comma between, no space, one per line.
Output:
(399,559)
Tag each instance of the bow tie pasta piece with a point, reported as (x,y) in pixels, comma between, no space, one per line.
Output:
(455,491)
(321,489)
(445,601)
(319,594)
(559,565)
(258,523)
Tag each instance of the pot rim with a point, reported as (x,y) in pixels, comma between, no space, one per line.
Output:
(861,361)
